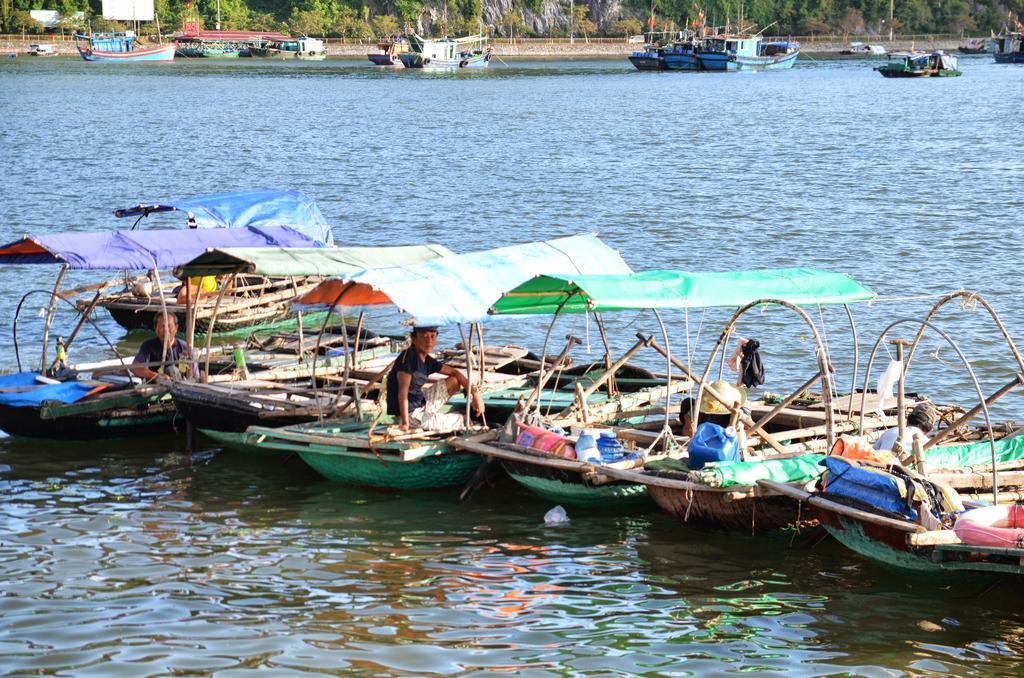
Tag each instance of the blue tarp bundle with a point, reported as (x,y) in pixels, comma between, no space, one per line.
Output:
(65,392)
(143,250)
(874,488)
(262,207)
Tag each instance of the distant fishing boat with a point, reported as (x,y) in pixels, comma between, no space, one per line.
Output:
(120,47)
(862,49)
(746,53)
(978,46)
(650,58)
(1010,48)
(390,52)
(304,48)
(937,64)
(41,50)
(447,53)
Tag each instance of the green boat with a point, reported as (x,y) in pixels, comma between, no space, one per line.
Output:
(920,65)
(359,453)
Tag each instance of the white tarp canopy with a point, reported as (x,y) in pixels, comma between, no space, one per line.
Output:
(128,10)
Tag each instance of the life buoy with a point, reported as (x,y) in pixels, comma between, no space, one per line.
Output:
(998,526)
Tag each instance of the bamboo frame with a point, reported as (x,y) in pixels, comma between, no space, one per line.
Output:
(819,349)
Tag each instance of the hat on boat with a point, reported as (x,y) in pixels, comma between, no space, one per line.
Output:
(735,395)
(925,415)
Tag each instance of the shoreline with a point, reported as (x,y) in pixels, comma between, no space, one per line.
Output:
(539,48)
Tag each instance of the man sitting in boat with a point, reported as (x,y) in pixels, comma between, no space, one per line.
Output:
(165,352)
(415,403)
(920,423)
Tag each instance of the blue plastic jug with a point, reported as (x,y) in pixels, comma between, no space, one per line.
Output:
(711,442)
(610,448)
(586,449)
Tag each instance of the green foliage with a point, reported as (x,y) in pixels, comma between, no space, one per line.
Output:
(363,18)
(385,25)
(626,27)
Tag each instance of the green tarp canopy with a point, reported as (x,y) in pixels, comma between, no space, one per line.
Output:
(326,261)
(548,294)
(974,454)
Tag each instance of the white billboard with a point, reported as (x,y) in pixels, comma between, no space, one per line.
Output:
(128,10)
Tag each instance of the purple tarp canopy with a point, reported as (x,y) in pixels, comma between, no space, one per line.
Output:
(143,250)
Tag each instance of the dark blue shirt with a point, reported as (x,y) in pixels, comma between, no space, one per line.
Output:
(408,361)
(152,351)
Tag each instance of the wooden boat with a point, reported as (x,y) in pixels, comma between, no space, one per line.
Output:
(242,302)
(121,48)
(83,410)
(977,46)
(304,48)
(900,542)
(444,291)
(390,52)
(960,461)
(1009,47)
(277,390)
(746,53)
(448,53)
(936,64)
(570,480)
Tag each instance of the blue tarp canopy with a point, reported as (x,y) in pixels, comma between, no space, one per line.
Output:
(142,250)
(22,390)
(262,207)
(460,289)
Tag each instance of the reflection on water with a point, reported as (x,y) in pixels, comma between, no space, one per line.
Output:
(140,561)
(130,557)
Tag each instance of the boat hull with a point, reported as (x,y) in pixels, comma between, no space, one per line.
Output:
(943,73)
(442,470)
(723,62)
(682,62)
(1014,58)
(563,487)
(648,62)
(153,54)
(142,418)
(415,60)
(723,509)
(384,60)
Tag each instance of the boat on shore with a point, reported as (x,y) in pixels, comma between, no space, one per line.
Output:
(390,52)
(121,47)
(447,53)
(303,48)
(936,64)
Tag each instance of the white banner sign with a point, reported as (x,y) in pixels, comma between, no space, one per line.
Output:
(128,10)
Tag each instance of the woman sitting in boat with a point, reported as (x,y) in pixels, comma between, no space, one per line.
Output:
(416,404)
(165,351)
(920,423)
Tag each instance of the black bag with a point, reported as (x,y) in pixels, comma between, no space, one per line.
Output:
(751,369)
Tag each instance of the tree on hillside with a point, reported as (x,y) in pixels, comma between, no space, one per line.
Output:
(581,21)
(511,22)
(626,27)
(385,25)
(306,22)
